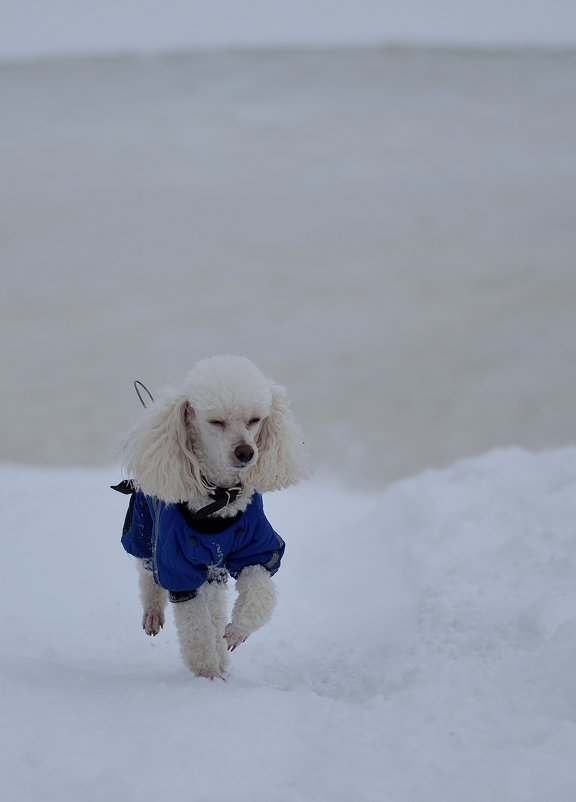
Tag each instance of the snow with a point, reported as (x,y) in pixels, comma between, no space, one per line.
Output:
(390,233)
(423,647)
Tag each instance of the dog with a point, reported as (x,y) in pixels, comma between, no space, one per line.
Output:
(199,459)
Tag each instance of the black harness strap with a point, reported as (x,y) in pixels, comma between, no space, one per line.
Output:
(126,486)
(222,497)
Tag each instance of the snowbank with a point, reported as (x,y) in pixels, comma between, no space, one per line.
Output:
(423,648)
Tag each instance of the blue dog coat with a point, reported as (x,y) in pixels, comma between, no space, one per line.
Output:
(183,558)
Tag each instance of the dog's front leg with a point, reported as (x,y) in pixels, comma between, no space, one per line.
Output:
(215,593)
(153,599)
(253,607)
(197,636)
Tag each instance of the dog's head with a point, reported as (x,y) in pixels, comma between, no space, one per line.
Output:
(227,401)
(227,423)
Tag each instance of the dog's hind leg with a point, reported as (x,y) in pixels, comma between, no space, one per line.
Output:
(216,600)
(197,636)
(153,599)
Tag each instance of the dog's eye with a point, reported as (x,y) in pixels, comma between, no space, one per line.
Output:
(219,423)
(253,421)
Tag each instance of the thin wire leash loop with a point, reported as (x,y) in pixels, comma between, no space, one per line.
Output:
(138,393)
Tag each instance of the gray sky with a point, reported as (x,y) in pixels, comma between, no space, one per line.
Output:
(29,27)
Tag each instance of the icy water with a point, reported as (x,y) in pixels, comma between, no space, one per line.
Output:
(390,233)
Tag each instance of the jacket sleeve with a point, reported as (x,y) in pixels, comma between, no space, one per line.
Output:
(137,529)
(265,548)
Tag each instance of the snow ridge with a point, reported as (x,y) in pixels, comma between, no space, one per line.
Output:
(423,647)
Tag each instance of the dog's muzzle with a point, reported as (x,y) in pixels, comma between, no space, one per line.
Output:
(244,454)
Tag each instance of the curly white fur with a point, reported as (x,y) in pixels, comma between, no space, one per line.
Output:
(164,449)
(226,424)
(253,607)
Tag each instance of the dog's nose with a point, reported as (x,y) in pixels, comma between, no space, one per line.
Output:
(244,453)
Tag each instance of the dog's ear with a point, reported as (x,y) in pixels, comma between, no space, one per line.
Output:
(158,453)
(282,454)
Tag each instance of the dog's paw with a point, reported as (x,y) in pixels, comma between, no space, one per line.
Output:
(212,675)
(234,635)
(152,621)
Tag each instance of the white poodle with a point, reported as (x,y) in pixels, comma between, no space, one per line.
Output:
(199,459)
